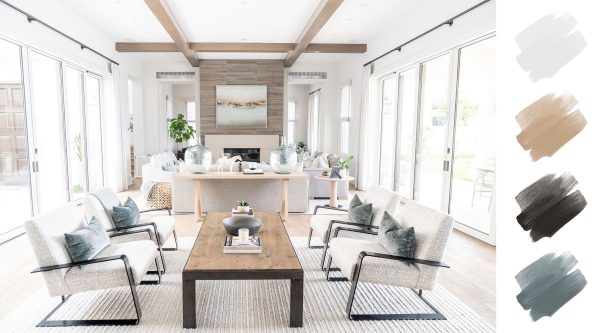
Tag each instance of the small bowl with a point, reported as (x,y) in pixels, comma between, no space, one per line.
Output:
(233,223)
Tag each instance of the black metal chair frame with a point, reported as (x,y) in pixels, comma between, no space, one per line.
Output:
(435,315)
(328,237)
(98,322)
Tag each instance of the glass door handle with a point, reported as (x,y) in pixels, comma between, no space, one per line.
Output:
(446,165)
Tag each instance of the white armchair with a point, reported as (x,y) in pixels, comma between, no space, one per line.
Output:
(100,204)
(117,265)
(369,260)
(321,226)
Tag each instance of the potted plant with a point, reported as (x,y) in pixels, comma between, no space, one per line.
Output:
(180,131)
(300,146)
(243,206)
(344,166)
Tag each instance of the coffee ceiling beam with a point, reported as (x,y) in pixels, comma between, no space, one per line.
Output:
(241,47)
(319,18)
(161,10)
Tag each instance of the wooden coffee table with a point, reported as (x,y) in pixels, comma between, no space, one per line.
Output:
(278,261)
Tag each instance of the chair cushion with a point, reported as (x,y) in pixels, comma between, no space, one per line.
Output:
(320,223)
(126,215)
(110,274)
(358,212)
(165,225)
(397,239)
(345,251)
(87,242)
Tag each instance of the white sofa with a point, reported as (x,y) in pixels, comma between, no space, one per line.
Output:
(155,170)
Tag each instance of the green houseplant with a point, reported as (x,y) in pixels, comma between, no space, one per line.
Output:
(180,131)
(243,206)
(344,165)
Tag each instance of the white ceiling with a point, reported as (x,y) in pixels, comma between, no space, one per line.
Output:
(355,21)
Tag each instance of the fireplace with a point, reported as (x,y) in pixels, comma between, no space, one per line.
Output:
(247,154)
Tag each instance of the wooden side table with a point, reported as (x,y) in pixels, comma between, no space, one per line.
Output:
(333,190)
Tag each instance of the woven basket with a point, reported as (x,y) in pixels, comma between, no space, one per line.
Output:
(160,196)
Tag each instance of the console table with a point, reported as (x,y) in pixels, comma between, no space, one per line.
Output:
(199,178)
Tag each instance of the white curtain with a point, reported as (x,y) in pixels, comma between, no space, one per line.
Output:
(312,140)
(115,160)
(364,165)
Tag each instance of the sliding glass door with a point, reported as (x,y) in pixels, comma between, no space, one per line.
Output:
(15,190)
(437,132)
(94,132)
(48,126)
(432,138)
(407,108)
(387,137)
(473,167)
(76,148)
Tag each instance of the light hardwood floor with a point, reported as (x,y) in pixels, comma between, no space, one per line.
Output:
(471,278)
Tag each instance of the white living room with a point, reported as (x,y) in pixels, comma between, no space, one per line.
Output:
(245,166)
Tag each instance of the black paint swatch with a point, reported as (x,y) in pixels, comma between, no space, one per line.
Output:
(546,284)
(549,204)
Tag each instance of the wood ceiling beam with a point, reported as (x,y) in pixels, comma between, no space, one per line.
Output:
(242,47)
(161,10)
(320,16)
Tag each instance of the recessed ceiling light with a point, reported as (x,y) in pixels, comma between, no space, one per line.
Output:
(363,4)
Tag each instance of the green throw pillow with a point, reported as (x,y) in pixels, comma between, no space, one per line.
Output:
(86,243)
(395,238)
(126,215)
(359,212)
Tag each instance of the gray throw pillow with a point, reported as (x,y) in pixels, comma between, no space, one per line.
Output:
(359,212)
(333,159)
(171,168)
(395,238)
(126,215)
(86,243)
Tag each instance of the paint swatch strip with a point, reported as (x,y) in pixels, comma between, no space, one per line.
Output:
(546,284)
(549,204)
(548,45)
(548,124)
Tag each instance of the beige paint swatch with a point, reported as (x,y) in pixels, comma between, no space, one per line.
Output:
(548,124)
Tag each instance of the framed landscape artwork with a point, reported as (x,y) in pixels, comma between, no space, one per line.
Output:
(242,106)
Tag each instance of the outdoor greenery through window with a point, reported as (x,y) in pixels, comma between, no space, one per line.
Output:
(190,116)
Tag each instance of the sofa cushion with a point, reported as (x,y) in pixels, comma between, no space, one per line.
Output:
(397,239)
(333,160)
(359,212)
(140,255)
(87,242)
(126,215)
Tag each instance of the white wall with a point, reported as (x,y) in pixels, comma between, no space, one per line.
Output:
(299,94)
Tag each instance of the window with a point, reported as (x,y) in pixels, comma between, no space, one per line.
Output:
(190,116)
(387,141)
(94,132)
(345,104)
(313,121)
(291,122)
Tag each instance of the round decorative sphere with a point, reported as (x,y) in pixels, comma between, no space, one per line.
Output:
(198,159)
(234,223)
(284,159)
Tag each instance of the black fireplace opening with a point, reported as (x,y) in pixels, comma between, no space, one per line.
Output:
(247,154)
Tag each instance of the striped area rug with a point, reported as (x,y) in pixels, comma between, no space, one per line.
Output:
(248,306)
